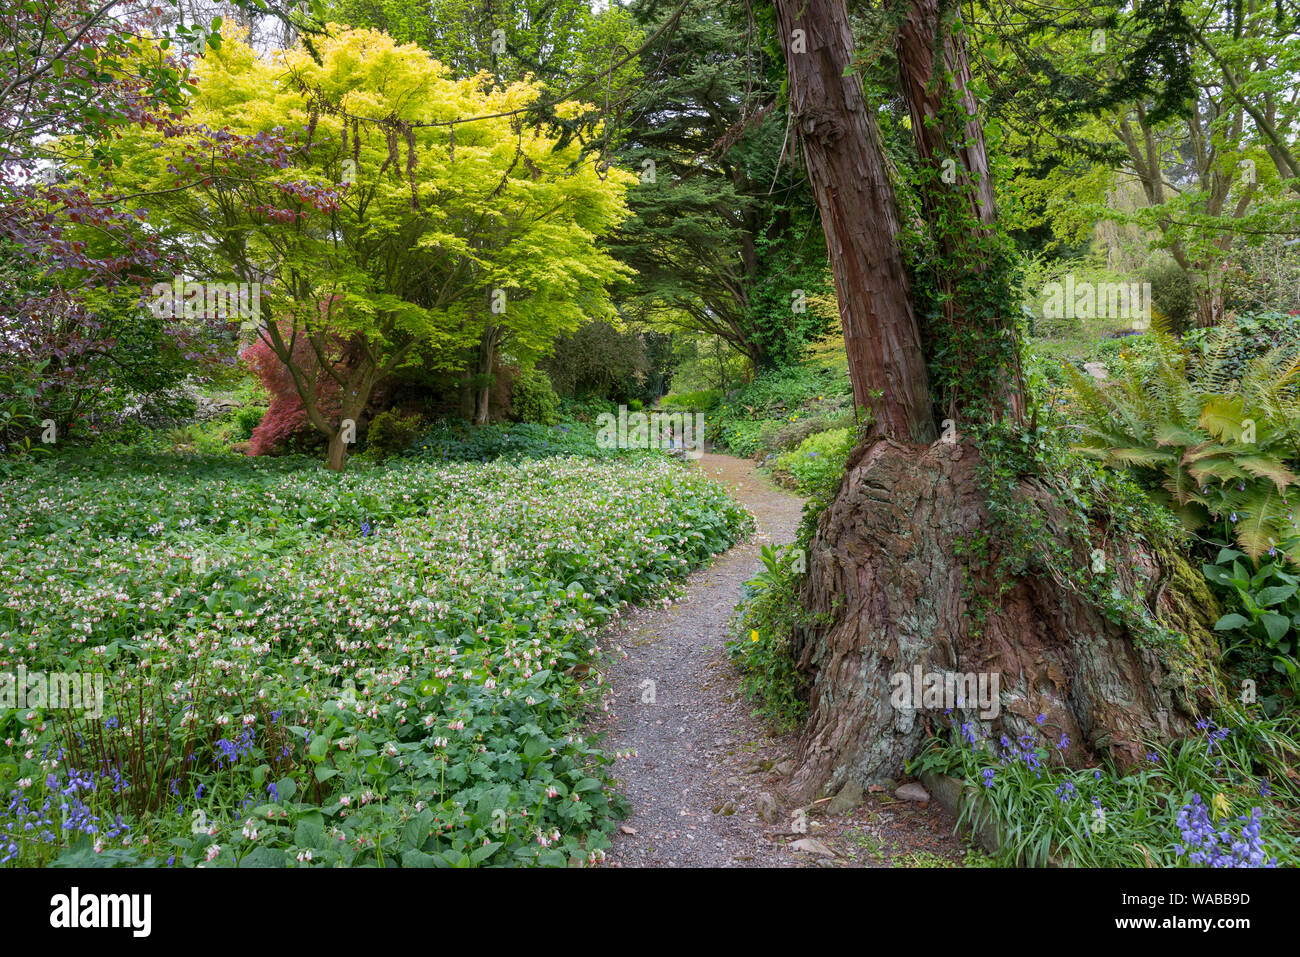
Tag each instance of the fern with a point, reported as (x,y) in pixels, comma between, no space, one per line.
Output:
(1215,448)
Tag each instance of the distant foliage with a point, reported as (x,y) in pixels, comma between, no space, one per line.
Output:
(599,360)
(534,399)
(391,432)
(701,400)
(286,417)
(470,443)
(1171,293)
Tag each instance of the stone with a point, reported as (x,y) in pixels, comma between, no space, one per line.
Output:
(783,768)
(912,792)
(1096,370)
(849,797)
(810,845)
(767,807)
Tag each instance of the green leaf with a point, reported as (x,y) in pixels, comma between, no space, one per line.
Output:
(1276,625)
(286,788)
(1274,595)
(1228,622)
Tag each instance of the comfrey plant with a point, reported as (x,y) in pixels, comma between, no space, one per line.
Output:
(1203,843)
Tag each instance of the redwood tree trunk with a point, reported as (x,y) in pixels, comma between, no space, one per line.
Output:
(885,581)
(934,75)
(842,153)
(887,549)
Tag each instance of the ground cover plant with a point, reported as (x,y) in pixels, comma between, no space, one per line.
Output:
(388,668)
(1222,797)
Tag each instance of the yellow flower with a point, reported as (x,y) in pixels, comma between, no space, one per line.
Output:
(1220,806)
(753,635)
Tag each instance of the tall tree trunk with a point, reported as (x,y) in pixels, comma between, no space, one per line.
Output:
(891,577)
(958,198)
(841,150)
(486,358)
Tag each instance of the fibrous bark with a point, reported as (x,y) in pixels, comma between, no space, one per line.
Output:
(884,567)
(845,165)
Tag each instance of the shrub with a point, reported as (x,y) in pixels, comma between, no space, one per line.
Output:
(701,400)
(391,432)
(783,436)
(1171,293)
(285,422)
(818,460)
(768,614)
(246,420)
(534,399)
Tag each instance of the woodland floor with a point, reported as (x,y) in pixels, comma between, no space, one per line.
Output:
(702,758)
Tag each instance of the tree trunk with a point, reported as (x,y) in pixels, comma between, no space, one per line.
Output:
(957,195)
(338,451)
(887,549)
(486,357)
(1210,305)
(885,580)
(841,150)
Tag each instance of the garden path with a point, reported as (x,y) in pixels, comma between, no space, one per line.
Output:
(704,765)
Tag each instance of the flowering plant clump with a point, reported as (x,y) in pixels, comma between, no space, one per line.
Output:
(1203,843)
(386,667)
(1151,815)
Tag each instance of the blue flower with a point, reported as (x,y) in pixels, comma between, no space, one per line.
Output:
(987,774)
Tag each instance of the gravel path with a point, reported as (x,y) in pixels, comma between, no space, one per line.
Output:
(702,759)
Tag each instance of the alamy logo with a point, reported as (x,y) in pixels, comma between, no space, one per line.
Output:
(946,690)
(134,911)
(207,300)
(668,431)
(1104,300)
(35,689)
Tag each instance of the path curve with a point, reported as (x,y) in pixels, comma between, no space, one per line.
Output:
(703,761)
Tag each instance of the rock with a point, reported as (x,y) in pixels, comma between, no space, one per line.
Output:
(912,792)
(734,782)
(627,830)
(849,797)
(810,845)
(767,807)
(1097,370)
(783,768)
